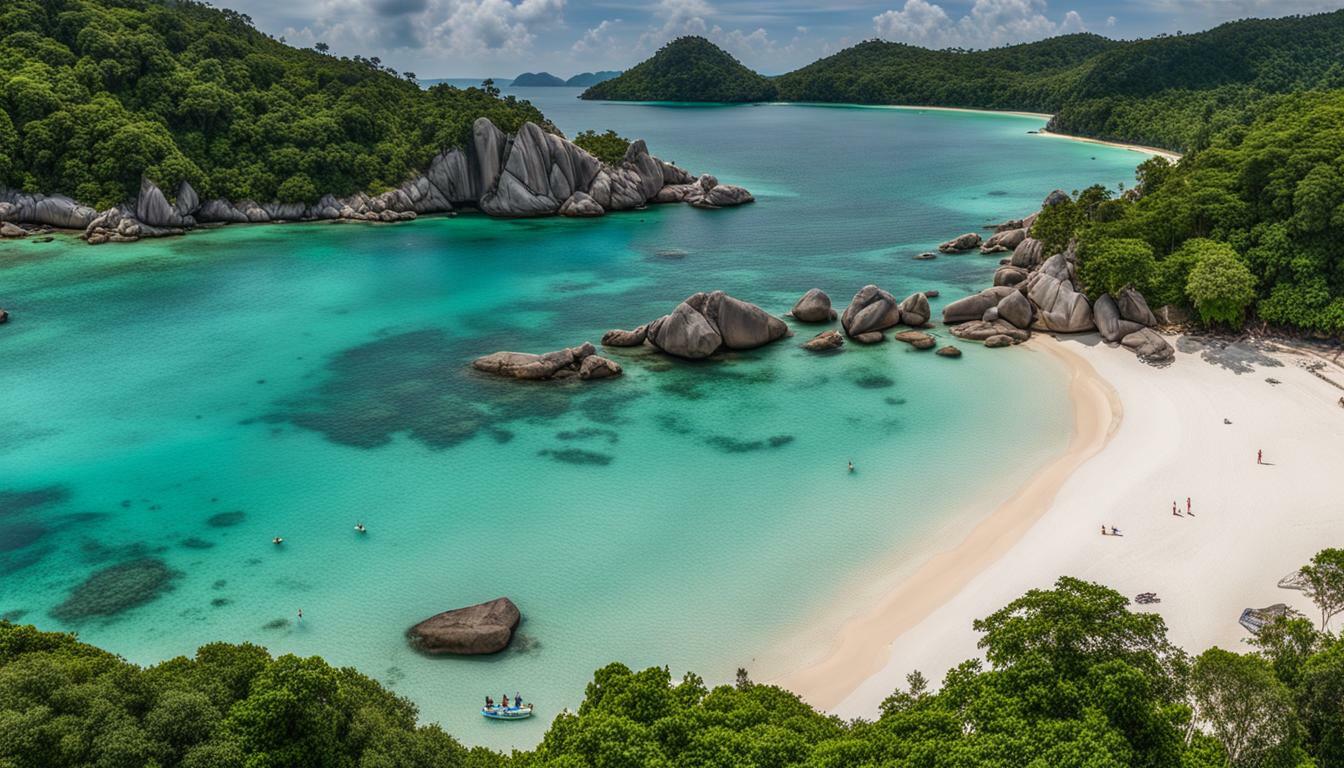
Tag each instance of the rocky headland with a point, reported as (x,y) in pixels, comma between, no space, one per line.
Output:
(533,173)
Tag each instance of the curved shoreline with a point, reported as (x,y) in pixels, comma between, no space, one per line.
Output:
(1140,148)
(862,646)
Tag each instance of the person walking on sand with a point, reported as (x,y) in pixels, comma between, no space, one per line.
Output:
(1260,457)
(1187,507)
(1173,510)
(1103,529)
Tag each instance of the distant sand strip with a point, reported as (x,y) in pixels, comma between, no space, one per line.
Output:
(863,646)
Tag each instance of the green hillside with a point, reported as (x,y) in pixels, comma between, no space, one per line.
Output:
(686,69)
(93,93)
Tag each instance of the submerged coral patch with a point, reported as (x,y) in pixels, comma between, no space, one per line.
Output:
(874,381)
(226,519)
(728,444)
(195,543)
(589,433)
(17,502)
(578,456)
(116,589)
(20,535)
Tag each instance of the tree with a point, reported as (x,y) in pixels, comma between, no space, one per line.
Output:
(1246,707)
(321,47)
(1220,285)
(1324,577)
(607,147)
(1320,702)
(1287,642)
(1109,265)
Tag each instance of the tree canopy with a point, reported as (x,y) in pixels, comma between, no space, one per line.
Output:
(686,69)
(95,93)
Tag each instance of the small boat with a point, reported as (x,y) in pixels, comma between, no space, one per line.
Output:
(359,528)
(277,541)
(497,712)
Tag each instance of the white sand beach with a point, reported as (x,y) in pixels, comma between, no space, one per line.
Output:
(1144,437)
(1140,148)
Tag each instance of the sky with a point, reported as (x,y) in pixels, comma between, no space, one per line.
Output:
(501,38)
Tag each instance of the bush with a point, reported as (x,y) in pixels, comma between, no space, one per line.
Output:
(1107,266)
(1220,285)
(607,147)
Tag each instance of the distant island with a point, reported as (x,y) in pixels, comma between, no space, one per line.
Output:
(547,80)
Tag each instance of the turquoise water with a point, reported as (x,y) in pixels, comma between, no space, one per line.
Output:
(175,404)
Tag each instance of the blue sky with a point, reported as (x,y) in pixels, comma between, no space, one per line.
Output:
(471,38)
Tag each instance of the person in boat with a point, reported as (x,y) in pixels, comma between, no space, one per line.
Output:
(489,702)
(359,527)
(851,466)
(504,701)
(277,540)
(518,699)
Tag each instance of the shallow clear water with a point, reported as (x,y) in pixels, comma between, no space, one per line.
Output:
(694,515)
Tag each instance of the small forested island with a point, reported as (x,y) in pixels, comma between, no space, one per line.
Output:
(1071,677)
(547,80)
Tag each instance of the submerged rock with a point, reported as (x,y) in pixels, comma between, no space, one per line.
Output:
(916,339)
(825,342)
(478,629)
(813,307)
(948,351)
(560,364)
(999,340)
(620,338)
(961,243)
(871,337)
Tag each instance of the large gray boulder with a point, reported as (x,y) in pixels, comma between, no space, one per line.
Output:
(452,175)
(1004,241)
(1010,275)
(980,330)
(58,211)
(621,338)
(581,205)
(650,171)
(540,171)
(871,309)
(487,153)
(220,211)
(1110,325)
(474,630)
(915,311)
(1055,198)
(1134,308)
(1029,254)
(973,307)
(961,243)
(1061,308)
(705,323)
(813,307)
(187,199)
(1149,346)
(1016,309)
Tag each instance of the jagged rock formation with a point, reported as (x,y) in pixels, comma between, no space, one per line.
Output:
(873,310)
(534,173)
(825,342)
(961,243)
(581,361)
(1033,292)
(916,339)
(474,630)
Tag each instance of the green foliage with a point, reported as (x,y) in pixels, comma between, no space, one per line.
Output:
(1246,707)
(607,147)
(1074,678)
(94,93)
(1110,264)
(1057,225)
(1324,578)
(686,69)
(1220,285)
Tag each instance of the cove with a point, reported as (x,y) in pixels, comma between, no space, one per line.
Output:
(170,406)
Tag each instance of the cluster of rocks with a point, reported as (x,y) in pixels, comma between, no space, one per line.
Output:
(868,316)
(477,629)
(582,362)
(1035,292)
(533,173)
(704,325)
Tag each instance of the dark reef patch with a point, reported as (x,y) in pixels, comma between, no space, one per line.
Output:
(578,456)
(17,502)
(523,643)
(894,400)
(226,519)
(195,543)
(14,615)
(874,381)
(726,444)
(20,535)
(589,433)
(276,624)
(116,589)
(220,602)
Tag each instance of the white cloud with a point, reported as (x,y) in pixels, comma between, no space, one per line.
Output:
(989,23)
(1110,22)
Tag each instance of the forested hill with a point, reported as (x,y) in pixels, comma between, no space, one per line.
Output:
(1171,91)
(93,93)
(686,69)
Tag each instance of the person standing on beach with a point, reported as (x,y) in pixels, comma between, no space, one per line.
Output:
(1259,457)
(1187,507)
(1103,529)
(1173,510)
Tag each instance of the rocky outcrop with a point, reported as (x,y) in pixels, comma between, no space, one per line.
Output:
(825,342)
(980,330)
(1062,308)
(620,338)
(973,307)
(581,361)
(1149,346)
(1004,241)
(961,243)
(870,337)
(813,307)
(1134,308)
(1010,275)
(871,309)
(1029,254)
(1016,309)
(534,173)
(999,340)
(915,311)
(1110,325)
(12,230)
(1055,198)
(706,323)
(916,339)
(948,351)
(474,630)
